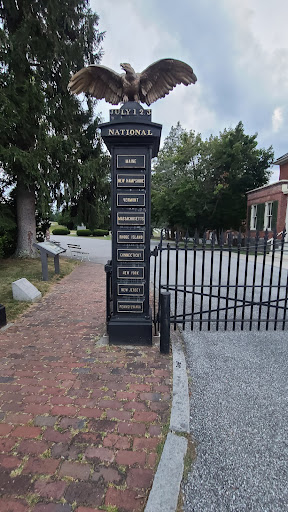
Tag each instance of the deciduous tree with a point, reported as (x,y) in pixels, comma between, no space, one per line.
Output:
(203,184)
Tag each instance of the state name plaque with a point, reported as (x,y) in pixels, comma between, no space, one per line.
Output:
(130,237)
(131,180)
(130,218)
(131,200)
(133,141)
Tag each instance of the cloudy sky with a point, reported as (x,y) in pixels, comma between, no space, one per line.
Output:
(238,50)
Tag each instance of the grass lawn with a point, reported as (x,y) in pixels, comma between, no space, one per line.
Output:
(13,269)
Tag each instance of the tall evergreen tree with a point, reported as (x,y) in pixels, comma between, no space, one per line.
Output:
(47,136)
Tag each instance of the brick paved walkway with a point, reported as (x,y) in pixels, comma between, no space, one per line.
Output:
(79,423)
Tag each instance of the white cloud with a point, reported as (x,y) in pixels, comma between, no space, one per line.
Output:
(238,50)
(277,119)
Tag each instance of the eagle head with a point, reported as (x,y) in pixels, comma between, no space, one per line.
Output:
(127,67)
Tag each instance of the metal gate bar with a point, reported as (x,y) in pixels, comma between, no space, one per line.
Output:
(245,282)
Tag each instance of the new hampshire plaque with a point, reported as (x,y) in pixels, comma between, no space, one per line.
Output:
(131,180)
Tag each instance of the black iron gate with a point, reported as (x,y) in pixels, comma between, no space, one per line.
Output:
(229,283)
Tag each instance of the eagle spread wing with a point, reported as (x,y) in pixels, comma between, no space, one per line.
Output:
(153,83)
(100,82)
(161,77)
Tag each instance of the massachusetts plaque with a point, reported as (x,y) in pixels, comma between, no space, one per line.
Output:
(130,218)
(132,140)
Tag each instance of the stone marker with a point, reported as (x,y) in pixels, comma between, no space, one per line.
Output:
(23,290)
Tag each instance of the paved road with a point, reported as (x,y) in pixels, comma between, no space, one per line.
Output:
(239,422)
(99,250)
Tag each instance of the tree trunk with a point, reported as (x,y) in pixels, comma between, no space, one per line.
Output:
(26,221)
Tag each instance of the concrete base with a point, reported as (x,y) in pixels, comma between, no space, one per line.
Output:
(129,331)
(23,290)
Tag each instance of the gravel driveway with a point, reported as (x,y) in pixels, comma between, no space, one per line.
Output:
(239,422)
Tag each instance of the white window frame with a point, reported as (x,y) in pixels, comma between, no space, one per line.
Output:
(268,215)
(253,218)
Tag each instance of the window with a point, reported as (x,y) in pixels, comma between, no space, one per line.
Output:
(268,215)
(253,220)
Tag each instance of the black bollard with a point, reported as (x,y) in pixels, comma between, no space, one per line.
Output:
(165,323)
(3,320)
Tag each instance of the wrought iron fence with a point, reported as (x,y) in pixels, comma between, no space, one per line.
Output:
(234,282)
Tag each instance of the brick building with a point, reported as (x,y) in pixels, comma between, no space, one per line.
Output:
(267,205)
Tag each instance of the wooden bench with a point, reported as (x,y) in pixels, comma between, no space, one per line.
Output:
(77,251)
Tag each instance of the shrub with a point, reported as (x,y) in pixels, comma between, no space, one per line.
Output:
(61,231)
(84,232)
(100,232)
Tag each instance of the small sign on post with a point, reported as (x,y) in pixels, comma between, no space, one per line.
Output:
(49,249)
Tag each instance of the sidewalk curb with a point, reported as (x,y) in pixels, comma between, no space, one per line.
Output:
(166,484)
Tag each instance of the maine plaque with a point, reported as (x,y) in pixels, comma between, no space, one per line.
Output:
(130,161)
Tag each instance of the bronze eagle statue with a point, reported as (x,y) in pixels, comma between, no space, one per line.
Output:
(153,83)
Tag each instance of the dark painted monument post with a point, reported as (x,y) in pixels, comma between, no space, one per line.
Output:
(132,140)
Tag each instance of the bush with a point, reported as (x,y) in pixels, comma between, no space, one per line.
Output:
(70,224)
(84,232)
(61,231)
(100,232)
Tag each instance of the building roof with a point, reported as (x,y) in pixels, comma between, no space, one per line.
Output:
(280,182)
(282,160)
